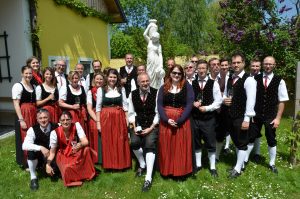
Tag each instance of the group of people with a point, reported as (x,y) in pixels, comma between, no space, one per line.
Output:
(107,114)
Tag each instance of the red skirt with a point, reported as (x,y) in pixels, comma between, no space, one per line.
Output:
(93,136)
(175,146)
(77,167)
(115,142)
(54,112)
(81,117)
(28,111)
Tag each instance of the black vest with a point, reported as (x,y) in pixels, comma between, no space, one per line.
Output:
(45,94)
(27,97)
(266,99)
(145,110)
(91,80)
(41,138)
(239,99)
(177,100)
(207,96)
(71,97)
(130,76)
(111,101)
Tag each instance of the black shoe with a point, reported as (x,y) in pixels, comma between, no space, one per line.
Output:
(214,173)
(226,151)
(146,186)
(198,169)
(34,184)
(273,169)
(229,170)
(140,171)
(234,174)
(257,158)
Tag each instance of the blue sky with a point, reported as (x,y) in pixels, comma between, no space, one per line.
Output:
(288,4)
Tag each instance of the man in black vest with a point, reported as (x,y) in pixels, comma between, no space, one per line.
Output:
(144,118)
(270,97)
(36,143)
(97,66)
(207,100)
(127,73)
(61,77)
(239,95)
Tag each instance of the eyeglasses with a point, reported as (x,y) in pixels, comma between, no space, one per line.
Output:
(65,120)
(188,67)
(269,64)
(63,65)
(176,73)
(194,61)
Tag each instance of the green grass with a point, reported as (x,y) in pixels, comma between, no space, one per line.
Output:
(256,182)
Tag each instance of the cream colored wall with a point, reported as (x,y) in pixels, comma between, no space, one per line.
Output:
(65,33)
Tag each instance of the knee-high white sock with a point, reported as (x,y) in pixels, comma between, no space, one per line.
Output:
(240,160)
(272,154)
(150,158)
(212,160)
(227,142)
(198,157)
(219,146)
(32,166)
(250,147)
(257,146)
(139,155)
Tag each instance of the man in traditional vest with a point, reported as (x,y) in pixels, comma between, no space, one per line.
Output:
(207,100)
(127,73)
(239,95)
(61,77)
(270,97)
(144,118)
(36,144)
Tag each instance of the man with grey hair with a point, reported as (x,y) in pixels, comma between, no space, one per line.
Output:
(82,82)
(189,70)
(143,118)
(61,77)
(36,144)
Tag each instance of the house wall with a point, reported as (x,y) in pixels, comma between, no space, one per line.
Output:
(65,33)
(14,19)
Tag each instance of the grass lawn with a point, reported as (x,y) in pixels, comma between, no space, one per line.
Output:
(256,182)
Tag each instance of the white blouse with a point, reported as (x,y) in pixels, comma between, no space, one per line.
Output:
(63,92)
(38,92)
(17,90)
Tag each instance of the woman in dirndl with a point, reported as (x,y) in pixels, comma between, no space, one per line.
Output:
(47,95)
(112,123)
(94,135)
(24,101)
(73,99)
(74,158)
(174,102)
(34,63)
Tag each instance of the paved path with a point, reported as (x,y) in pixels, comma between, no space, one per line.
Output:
(6,131)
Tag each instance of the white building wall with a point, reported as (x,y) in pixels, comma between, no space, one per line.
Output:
(15,20)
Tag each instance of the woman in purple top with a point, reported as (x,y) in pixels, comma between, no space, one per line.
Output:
(174,102)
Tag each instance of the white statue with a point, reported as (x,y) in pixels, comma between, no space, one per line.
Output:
(154,55)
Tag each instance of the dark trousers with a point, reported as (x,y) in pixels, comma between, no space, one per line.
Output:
(222,119)
(270,132)
(239,137)
(204,130)
(147,142)
(42,160)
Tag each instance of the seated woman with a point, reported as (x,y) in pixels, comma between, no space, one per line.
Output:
(47,95)
(74,158)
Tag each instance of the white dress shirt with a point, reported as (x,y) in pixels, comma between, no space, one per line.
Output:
(250,88)
(61,80)
(282,90)
(28,144)
(82,82)
(111,93)
(216,95)
(53,135)
(132,114)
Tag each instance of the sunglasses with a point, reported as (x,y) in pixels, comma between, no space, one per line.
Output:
(176,73)
(188,67)
(194,61)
